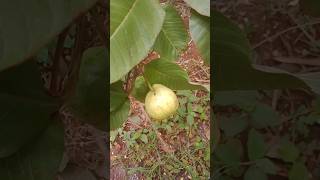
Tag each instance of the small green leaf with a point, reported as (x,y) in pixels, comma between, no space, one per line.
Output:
(136,135)
(266,166)
(233,125)
(144,138)
(256,145)
(298,172)
(288,151)
(231,152)
(264,116)
(254,173)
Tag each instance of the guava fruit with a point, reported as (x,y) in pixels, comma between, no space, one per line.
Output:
(161,102)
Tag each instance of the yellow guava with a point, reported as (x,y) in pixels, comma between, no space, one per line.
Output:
(161,102)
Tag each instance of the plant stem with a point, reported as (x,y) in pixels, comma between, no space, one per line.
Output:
(148,83)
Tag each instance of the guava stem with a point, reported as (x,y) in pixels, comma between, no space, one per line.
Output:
(148,83)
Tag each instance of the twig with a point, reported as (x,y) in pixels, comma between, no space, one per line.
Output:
(284,31)
(57,62)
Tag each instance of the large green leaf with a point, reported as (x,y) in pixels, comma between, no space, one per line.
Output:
(200,33)
(170,74)
(201,6)
(119,105)
(90,99)
(26,26)
(25,108)
(311,79)
(39,160)
(134,26)
(232,65)
(173,37)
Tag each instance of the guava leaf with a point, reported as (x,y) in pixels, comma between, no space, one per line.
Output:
(38,160)
(25,108)
(170,74)
(89,102)
(201,6)
(173,37)
(131,38)
(200,32)
(120,105)
(140,89)
(26,26)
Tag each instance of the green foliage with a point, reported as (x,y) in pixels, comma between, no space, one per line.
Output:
(170,74)
(24,114)
(202,6)
(119,105)
(200,32)
(233,70)
(145,148)
(256,146)
(89,102)
(173,37)
(131,38)
(37,160)
(26,26)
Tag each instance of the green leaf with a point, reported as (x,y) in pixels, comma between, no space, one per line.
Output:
(25,108)
(173,37)
(266,166)
(256,145)
(89,102)
(298,172)
(26,26)
(134,26)
(311,7)
(309,79)
(170,74)
(230,152)
(201,6)
(264,116)
(288,151)
(232,57)
(120,105)
(254,173)
(190,120)
(238,98)
(117,94)
(38,160)
(233,125)
(200,32)
(144,138)
(140,89)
